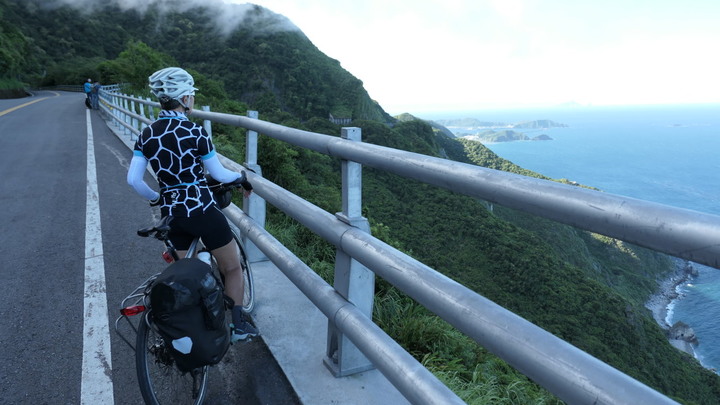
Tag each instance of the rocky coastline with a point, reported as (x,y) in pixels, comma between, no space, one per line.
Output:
(680,335)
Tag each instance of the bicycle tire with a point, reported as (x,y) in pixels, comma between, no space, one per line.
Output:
(248,304)
(161,382)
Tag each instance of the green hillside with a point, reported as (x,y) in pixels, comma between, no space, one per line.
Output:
(259,63)
(584,288)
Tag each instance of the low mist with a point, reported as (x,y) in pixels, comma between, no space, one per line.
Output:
(228,16)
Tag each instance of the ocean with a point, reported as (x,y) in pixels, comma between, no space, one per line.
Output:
(666,154)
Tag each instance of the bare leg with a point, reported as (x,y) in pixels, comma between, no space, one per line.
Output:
(228,259)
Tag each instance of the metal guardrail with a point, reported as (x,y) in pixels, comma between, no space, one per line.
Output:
(571,374)
(79,88)
(687,234)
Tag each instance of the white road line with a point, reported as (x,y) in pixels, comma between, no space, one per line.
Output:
(96,385)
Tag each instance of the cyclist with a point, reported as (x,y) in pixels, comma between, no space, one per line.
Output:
(181,152)
(87,87)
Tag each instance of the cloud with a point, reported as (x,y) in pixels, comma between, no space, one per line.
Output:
(511,10)
(228,17)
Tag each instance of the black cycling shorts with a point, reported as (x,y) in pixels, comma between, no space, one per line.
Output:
(211,226)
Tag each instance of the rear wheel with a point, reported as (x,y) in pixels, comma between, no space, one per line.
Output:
(161,382)
(249,294)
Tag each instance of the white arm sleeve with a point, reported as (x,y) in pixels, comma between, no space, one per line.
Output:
(218,171)
(135,178)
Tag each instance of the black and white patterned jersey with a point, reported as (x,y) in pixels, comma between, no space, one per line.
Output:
(175,147)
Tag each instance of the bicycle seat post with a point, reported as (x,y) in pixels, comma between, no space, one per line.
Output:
(161,233)
(163,236)
(171,249)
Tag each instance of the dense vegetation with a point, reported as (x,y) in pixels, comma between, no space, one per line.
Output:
(585,288)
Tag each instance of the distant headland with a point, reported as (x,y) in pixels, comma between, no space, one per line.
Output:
(491,131)
(506,135)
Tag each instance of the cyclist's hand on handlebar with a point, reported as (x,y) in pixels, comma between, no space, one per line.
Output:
(243,182)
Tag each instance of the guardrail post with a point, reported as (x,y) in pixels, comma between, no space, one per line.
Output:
(102,102)
(133,121)
(115,111)
(254,206)
(352,279)
(142,112)
(151,110)
(120,115)
(207,124)
(126,118)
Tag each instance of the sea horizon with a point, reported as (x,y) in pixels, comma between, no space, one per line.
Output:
(479,112)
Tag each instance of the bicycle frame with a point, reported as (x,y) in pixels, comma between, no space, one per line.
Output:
(138,301)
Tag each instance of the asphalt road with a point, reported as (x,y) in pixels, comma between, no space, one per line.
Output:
(43,200)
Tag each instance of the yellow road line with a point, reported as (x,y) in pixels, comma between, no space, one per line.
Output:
(9,110)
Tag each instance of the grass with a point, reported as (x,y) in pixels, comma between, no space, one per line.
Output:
(474,374)
(11,84)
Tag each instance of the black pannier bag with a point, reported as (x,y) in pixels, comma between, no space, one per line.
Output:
(188,308)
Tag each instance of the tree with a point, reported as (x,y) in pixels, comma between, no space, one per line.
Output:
(134,65)
(14,48)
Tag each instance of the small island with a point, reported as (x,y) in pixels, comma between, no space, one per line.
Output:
(495,131)
(506,135)
(538,124)
(468,123)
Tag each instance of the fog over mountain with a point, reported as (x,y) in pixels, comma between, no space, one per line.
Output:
(227,16)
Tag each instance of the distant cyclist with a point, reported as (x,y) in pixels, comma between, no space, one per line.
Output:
(87,87)
(181,152)
(95,95)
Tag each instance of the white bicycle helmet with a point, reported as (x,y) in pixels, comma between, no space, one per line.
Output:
(172,82)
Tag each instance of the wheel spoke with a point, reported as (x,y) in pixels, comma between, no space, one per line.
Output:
(161,382)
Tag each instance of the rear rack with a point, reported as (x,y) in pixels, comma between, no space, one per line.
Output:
(139,296)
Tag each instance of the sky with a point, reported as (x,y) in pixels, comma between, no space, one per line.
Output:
(448,55)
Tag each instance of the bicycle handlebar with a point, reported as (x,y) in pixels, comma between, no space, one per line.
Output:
(216,186)
(161,229)
(222,187)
